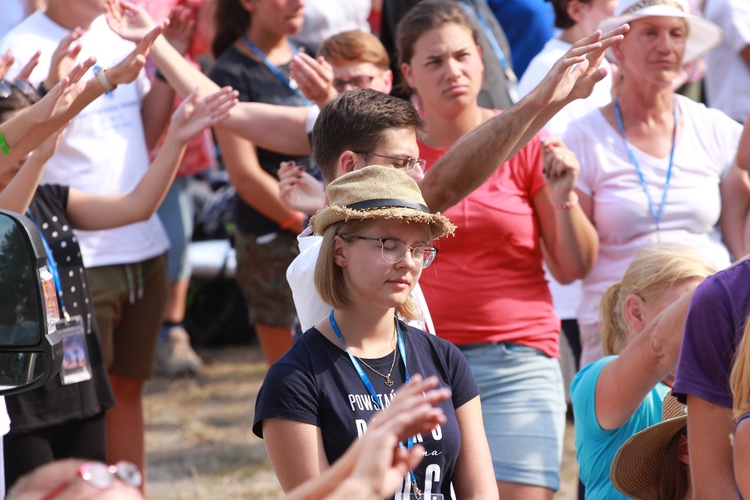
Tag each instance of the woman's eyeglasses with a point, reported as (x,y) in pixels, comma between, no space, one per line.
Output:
(23,86)
(102,476)
(394,250)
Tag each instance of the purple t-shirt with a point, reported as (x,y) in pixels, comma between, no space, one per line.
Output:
(713,330)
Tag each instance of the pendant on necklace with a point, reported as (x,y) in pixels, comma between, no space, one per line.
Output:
(417,492)
(388,380)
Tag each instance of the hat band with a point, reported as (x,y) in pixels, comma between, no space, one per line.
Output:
(650,3)
(388,203)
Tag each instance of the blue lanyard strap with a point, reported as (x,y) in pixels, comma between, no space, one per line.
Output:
(656,214)
(368,384)
(52,265)
(289,82)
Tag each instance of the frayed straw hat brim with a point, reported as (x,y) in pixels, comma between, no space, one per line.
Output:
(439,224)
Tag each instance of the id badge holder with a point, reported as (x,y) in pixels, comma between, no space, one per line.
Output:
(75,366)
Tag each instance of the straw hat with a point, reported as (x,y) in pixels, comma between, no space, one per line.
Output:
(635,469)
(703,36)
(377,192)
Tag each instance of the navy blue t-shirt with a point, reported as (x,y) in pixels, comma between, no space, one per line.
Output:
(315,383)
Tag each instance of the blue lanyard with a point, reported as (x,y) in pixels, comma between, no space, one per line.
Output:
(368,384)
(276,71)
(657,215)
(52,265)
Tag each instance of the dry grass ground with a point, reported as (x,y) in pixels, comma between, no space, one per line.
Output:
(199,441)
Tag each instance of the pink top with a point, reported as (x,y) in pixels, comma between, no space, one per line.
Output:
(487,283)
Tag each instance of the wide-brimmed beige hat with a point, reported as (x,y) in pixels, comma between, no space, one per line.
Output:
(703,35)
(377,192)
(635,469)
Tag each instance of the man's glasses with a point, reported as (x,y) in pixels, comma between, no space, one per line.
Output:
(358,82)
(23,86)
(400,163)
(394,250)
(102,476)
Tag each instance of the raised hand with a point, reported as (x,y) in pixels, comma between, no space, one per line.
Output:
(63,58)
(28,68)
(59,98)
(128,69)
(561,169)
(575,74)
(195,114)
(128,20)
(6,61)
(314,77)
(181,28)
(299,190)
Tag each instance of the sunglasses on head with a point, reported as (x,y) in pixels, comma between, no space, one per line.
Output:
(23,86)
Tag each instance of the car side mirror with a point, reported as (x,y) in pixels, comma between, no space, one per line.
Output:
(31,349)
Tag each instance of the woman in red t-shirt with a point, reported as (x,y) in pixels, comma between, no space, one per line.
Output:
(488,293)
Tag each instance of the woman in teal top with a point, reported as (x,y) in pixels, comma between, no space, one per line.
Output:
(621,394)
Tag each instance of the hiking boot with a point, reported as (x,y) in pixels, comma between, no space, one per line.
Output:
(175,356)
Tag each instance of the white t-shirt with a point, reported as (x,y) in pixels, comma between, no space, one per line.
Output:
(103,150)
(538,68)
(310,307)
(324,18)
(565,297)
(703,156)
(13,13)
(727,76)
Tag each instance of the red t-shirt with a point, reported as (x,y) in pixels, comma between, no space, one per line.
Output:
(487,283)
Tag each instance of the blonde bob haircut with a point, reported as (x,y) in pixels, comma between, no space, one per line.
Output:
(653,271)
(329,277)
(739,379)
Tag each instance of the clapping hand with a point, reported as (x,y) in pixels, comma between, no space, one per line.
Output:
(128,20)
(128,69)
(300,190)
(561,169)
(314,77)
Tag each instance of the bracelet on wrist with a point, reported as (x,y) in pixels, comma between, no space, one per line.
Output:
(101,75)
(160,76)
(42,90)
(566,205)
(4,147)
(291,220)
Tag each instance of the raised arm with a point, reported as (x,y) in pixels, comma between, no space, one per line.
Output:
(471,161)
(92,212)
(276,128)
(569,240)
(646,361)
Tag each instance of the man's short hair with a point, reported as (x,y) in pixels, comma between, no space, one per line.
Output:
(355,46)
(355,121)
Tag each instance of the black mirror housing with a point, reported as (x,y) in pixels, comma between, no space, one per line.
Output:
(31,349)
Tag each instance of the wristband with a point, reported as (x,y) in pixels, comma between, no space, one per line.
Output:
(4,144)
(101,75)
(291,220)
(566,205)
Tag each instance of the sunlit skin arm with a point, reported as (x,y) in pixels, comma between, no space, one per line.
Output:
(570,242)
(741,457)
(734,220)
(93,211)
(470,162)
(711,468)
(474,476)
(257,122)
(646,361)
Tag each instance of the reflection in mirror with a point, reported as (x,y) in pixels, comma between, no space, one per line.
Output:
(19,309)
(19,369)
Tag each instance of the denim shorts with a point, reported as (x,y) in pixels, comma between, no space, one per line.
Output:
(176,213)
(523,407)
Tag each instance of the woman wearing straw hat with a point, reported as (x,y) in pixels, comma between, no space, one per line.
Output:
(656,166)
(318,397)
(621,394)
(654,464)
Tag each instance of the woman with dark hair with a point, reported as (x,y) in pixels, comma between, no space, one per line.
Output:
(253,53)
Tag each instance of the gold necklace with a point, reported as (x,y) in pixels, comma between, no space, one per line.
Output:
(388,382)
